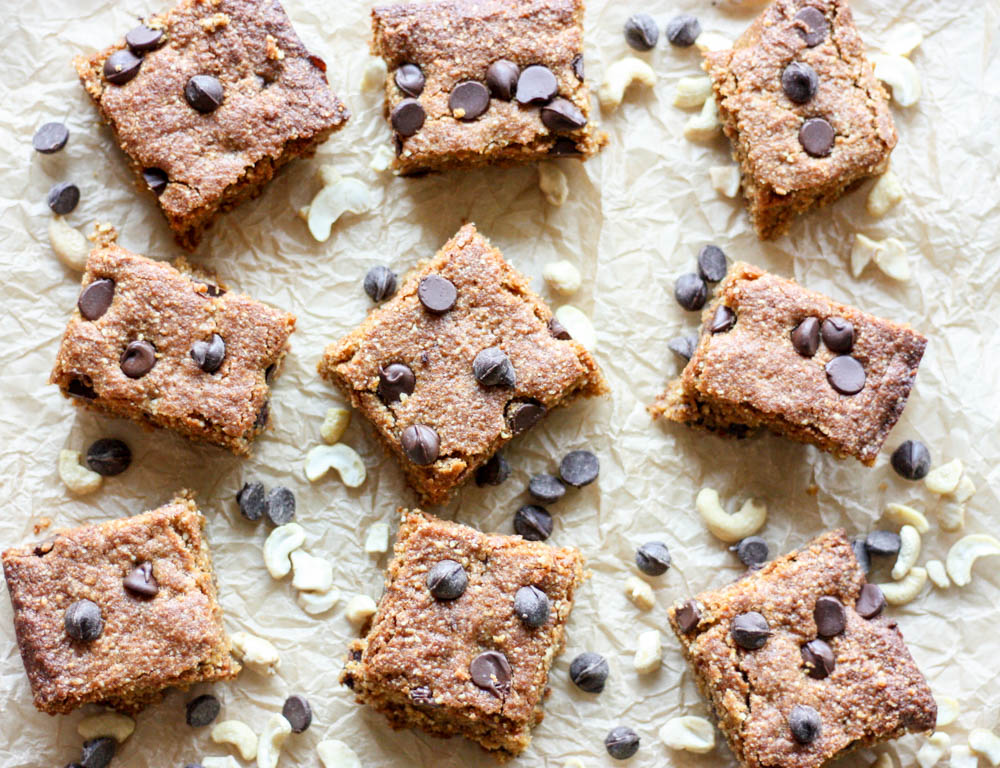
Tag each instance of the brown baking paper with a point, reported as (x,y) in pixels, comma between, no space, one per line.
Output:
(635,219)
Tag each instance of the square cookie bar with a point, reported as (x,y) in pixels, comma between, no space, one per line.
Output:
(774,354)
(797,662)
(166,348)
(208,101)
(465,633)
(800,103)
(462,359)
(484,82)
(116,612)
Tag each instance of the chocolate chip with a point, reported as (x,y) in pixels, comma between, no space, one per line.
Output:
(861,555)
(420,444)
(883,543)
(532,522)
(380,283)
(536,85)
(752,551)
(846,374)
(911,460)
(805,337)
(750,630)
(531,606)
(838,335)
(280,507)
(410,79)
(799,81)
(712,263)
(683,346)
(83,621)
(394,381)
(562,116)
(96,298)
(589,672)
(138,359)
(45,547)
(683,30)
(564,148)
(252,500)
(203,93)
(805,724)
(407,117)
(690,291)
(447,580)
(422,696)
(201,711)
(156,180)
(141,581)
(97,753)
(871,601)
(687,617)
(501,77)
(524,415)
(641,32)
(208,355)
(621,742)
(121,66)
(558,330)
(653,558)
(468,100)
(579,468)
(141,39)
(578,67)
(830,616)
(77,388)
(492,368)
(269,373)
(811,23)
(297,712)
(491,671)
(262,415)
(437,294)
(546,488)
(494,471)
(818,658)
(816,137)
(50,137)
(108,456)
(723,319)
(63,197)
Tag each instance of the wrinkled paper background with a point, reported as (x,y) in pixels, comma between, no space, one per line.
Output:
(635,219)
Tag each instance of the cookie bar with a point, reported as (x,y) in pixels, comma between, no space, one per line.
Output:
(166,348)
(465,633)
(117,612)
(800,103)
(208,101)
(774,354)
(484,82)
(462,359)
(797,662)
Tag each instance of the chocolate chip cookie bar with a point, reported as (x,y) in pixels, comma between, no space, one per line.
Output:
(799,101)
(116,612)
(797,662)
(208,101)
(462,359)
(465,633)
(774,354)
(166,347)
(484,82)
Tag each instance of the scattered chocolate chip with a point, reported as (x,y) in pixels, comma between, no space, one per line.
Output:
(141,581)
(589,672)
(750,630)
(871,601)
(805,337)
(799,81)
(621,742)
(96,298)
(911,460)
(97,753)
(861,555)
(524,415)
(410,79)
(811,23)
(712,263)
(202,710)
(883,543)
(536,85)
(579,468)
(380,283)
(142,39)
(683,30)
(203,93)
(420,444)
(407,117)
(578,67)
(501,77)
(818,658)
(653,558)
(564,147)
(262,415)
(138,359)
(688,616)
(121,66)
(447,580)
(492,368)
(83,621)
(50,137)
(562,116)
(437,294)
(816,137)
(838,334)
(494,471)
(63,197)
(422,696)
(558,330)
(752,551)
(846,374)
(641,32)
(683,346)
(108,456)
(297,712)
(394,381)
(491,671)
(280,507)
(156,180)
(252,500)
(468,100)
(546,488)
(77,388)
(690,291)
(723,319)
(208,355)
(533,523)
(830,616)
(531,606)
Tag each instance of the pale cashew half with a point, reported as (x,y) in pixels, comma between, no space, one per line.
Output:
(68,244)
(909,551)
(553,183)
(893,260)
(945,479)
(705,125)
(335,423)
(374,75)
(712,41)
(359,609)
(377,539)
(963,554)
(648,652)
(220,762)
(255,652)
(120,727)
(562,277)
(985,743)
(963,757)
(951,516)
(279,544)
(336,754)
(349,465)
(903,39)
(344,195)
(272,739)
(725,179)
(640,593)
(694,734)
(885,194)
(938,575)
(692,91)
(932,750)
(965,490)
(315,603)
(948,710)
(901,514)
(77,478)
(906,589)
(311,573)
(578,325)
(900,75)
(722,525)
(619,76)
(239,735)
(863,252)
(381,159)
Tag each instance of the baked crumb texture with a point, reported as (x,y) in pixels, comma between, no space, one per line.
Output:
(175,638)
(413,665)
(751,375)
(495,308)
(875,692)
(173,310)
(276,106)
(780,180)
(453,41)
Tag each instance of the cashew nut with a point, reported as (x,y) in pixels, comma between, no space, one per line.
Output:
(900,75)
(948,710)
(963,554)
(113,724)
(280,543)
(909,551)
(694,734)
(553,184)
(951,516)
(891,258)
(69,245)
(339,196)
(336,754)
(885,194)
(903,39)
(315,603)
(692,91)
(578,325)
(944,479)
(938,576)
(722,525)
(349,465)
(382,159)
(255,652)
(906,589)
(901,514)
(377,539)
(272,739)
(239,735)
(619,76)
(562,277)
(963,757)
(705,125)
(359,609)
(862,252)
(640,593)
(725,179)
(77,478)
(374,74)
(220,762)
(965,490)
(932,750)
(311,573)
(334,425)
(648,652)
(712,41)
(985,743)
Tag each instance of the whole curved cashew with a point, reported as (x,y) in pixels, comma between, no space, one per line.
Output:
(106,724)
(899,74)
(964,553)
(311,573)
(281,542)
(343,458)
(694,734)
(272,739)
(904,515)
(906,589)
(239,735)
(77,478)
(909,551)
(722,525)
(619,76)
(69,245)
(315,603)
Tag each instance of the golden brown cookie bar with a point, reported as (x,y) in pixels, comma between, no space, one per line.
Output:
(167,348)
(484,82)
(447,651)
(798,99)
(797,662)
(208,101)
(774,354)
(117,612)
(411,366)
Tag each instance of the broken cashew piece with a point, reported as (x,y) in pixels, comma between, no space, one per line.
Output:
(932,750)
(640,593)
(648,652)
(341,195)
(619,76)
(885,194)
(281,542)
(892,259)
(964,553)
(722,525)
(113,724)
(692,91)
(909,551)
(694,734)
(77,478)
(965,489)
(68,244)
(939,578)
(985,743)
(374,75)
(237,734)
(553,184)
(951,516)
(863,252)
(315,603)
(705,125)
(382,159)
(359,609)
(272,739)
(904,515)
(349,465)
(948,710)
(900,75)
(377,539)
(578,325)
(903,39)
(311,573)
(963,757)
(219,762)
(335,423)
(906,589)
(712,41)
(255,652)
(944,479)
(725,179)
(562,277)
(336,754)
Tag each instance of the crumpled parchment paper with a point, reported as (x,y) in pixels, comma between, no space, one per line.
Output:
(635,219)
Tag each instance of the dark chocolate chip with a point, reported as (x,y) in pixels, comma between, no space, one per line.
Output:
(805,337)
(468,100)
(533,522)
(723,319)
(883,543)
(578,67)
(437,294)
(562,116)
(63,197)
(297,712)
(156,180)
(838,335)
(846,374)
(142,39)
(211,290)
(202,710)
(750,630)
(641,32)
(45,547)
(579,468)
(830,616)
(558,330)
(50,137)
(653,558)
(524,415)
(252,500)
(811,23)
(501,77)
(420,444)
(805,724)
(546,488)
(121,66)
(410,79)
(492,368)
(494,471)
(269,372)
(141,581)
(683,30)
(96,298)
(688,616)
(380,283)
(690,291)
(491,671)
(564,147)
(818,658)
(799,81)
(407,117)
(531,606)
(108,456)
(683,346)
(817,137)
(280,508)
(871,601)
(204,93)
(861,555)
(97,753)
(447,580)
(536,85)
(911,460)
(83,621)
(394,381)
(422,696)
(712,263)
(138,359)
(208,355)
(621,742)
(77,388)
(262,415)
(589,672)
(752,551)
